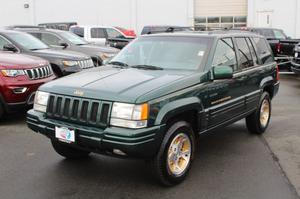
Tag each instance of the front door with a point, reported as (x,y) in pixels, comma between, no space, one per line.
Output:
(225,99)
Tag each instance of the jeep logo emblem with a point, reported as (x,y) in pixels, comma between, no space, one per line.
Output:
(78,92)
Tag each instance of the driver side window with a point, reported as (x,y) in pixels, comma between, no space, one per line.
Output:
(3,42)
(225,54)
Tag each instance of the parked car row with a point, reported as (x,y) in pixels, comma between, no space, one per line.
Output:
(32,55)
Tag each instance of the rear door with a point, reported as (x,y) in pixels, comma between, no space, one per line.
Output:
(248,72)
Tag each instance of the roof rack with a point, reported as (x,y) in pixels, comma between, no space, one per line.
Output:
(19,27)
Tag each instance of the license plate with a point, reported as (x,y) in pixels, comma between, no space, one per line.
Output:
(296,54)
(65,134)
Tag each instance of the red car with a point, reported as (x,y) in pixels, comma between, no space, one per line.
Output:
(127,32)
(20,76)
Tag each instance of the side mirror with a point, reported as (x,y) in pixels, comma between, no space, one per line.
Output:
(222,72)
(10,47)
(63,44)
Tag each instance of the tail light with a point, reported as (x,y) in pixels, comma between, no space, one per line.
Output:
(277,73)
(278,47)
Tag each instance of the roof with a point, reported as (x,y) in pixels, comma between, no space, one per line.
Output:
(216,33)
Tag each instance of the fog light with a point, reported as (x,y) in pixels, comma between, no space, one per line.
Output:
(20,90)
(119,152)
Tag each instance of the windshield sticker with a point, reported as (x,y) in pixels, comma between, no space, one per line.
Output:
(201,53)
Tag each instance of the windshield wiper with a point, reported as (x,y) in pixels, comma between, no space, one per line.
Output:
(147,67)
(118,63)
(34,49)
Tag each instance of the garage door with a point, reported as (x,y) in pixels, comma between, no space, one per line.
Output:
(216,14)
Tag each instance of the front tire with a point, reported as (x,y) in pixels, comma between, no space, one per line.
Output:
(258,121)
(173,161)
(69,152)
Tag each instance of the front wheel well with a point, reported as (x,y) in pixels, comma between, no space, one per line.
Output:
(269,89)
(56,69)
(190,117)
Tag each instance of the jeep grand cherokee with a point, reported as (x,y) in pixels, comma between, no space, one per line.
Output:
(157,95)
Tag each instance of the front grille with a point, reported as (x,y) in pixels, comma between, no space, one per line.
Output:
(39,73)
(84,111)
(84,64)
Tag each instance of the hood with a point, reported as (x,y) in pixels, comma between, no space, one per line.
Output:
(59,54)
(123,85)
(19,61)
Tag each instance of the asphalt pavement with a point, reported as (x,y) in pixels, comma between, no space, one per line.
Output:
(230,164)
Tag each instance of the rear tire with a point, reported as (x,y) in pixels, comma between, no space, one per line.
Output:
(258,121)
(173,161)
(69,152)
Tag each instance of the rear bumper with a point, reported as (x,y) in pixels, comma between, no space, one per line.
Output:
(140,143)
(295,67)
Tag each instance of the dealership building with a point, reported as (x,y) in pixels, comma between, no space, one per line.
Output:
(134,14)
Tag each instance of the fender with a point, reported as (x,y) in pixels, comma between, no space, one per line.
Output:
(266,82)
(176,107)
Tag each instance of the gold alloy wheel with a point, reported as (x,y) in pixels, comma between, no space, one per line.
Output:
(264,113)
(179,154)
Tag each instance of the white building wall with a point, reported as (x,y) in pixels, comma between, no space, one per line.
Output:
(126,13)
(276,14)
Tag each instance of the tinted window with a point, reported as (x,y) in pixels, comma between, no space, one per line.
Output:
(78,31)
(263,50)
(244,54)
(50,39)
(97,33)
(112,33)
(268,33)
(225,54)
(253,53)
(3,42)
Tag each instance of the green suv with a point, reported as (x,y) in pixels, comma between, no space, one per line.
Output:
(154,98)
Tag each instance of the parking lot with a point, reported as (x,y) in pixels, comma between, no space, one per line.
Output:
(230,163)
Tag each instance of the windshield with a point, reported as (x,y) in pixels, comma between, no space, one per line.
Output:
(28,41)
(74,39)
(184,53)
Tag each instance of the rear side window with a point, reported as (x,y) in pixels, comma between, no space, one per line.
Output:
(263,50)
(225,54)
(245,58)
(97,33)
(78,31)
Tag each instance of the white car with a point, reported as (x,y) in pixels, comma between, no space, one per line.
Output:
(98,34)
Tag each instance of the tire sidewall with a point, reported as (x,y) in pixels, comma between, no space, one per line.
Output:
(173,131)
(265,96)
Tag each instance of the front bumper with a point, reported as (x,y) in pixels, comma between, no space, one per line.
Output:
(134,143)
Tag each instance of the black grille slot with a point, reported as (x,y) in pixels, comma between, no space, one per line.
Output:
(94,112)
(84,109)
(58,106)
(104,113)
(75,108)
(50,104)
(66,108)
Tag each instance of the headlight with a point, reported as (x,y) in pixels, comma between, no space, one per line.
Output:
(12,73)
(40,101)
(129,115)
(105,56)
(70,63)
